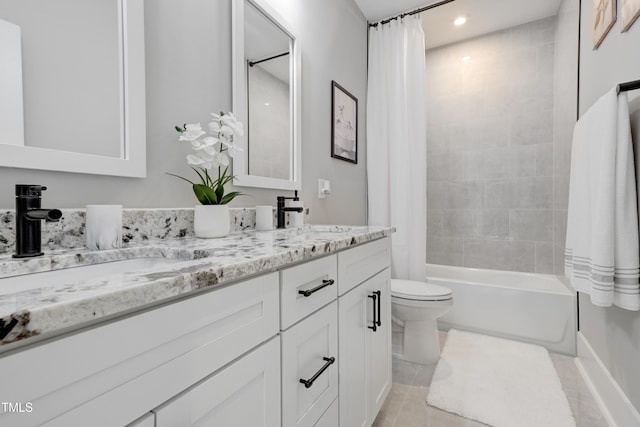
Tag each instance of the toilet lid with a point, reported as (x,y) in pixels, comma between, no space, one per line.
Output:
(409,289)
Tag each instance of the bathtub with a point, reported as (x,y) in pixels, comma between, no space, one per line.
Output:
(534,308)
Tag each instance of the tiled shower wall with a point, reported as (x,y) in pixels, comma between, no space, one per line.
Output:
(490,150)
(565,108)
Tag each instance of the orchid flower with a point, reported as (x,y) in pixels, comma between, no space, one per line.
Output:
(209,152)
(191,132)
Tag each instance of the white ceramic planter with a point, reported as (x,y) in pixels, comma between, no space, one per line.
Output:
(211,221)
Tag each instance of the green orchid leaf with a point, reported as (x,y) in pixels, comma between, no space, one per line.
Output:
(200,175)
(230,196)
(178,176)
(205,195)
(219,194)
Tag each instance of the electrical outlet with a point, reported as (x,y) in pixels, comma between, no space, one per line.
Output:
(324,188)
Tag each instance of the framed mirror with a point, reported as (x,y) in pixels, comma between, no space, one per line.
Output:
(266,97)
(75,90)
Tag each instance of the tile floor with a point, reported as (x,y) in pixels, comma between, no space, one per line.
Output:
(406,405)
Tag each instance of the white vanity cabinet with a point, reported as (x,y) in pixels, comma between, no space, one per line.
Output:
(364,313)
(294,347)
(310,353)
(113,374)
(246,393)
(309,331)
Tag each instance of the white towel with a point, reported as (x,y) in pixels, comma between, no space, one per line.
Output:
(601,255)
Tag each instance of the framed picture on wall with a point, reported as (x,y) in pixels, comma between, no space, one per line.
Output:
(629,12)
(344,124)
(604,16)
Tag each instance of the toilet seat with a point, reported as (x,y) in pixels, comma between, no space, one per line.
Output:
(419,291)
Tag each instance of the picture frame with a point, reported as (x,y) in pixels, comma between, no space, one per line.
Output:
(604,16)
(344,124)
(629,12)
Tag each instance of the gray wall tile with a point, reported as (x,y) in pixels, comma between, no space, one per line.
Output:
(559,226)
(499,254)
(490,160)
(533,193)
(544,160)
(494,223)
(544,257)
(444,250)
(434,222)
(521,160)
(460,223)
(464,195)
(531,224)
(500,194)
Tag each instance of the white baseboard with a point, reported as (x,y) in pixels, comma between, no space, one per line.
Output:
(613,402)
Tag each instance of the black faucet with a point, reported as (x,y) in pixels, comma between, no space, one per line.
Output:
(28,217)
(281,209)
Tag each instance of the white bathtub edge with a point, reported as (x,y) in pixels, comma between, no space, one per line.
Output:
(615,405)
(563,288)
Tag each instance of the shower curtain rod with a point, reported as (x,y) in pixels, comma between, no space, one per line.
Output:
(623,87)
(252,63)
(413,12)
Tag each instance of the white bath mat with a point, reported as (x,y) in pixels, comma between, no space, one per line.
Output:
(499,382)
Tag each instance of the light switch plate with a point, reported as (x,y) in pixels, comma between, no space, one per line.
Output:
(324,188)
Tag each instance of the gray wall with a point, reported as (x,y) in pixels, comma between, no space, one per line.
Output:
(188,61)
(565,95)
(613,333)
(490,148)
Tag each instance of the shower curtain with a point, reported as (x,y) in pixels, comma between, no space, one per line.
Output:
(397,140)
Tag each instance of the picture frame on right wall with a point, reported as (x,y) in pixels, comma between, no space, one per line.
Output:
(604,16)
(629,12)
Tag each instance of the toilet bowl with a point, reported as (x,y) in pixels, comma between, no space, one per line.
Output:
(416,306)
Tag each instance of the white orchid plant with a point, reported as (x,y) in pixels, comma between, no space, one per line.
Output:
(211,151)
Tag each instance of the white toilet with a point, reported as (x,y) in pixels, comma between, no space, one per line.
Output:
(415,306)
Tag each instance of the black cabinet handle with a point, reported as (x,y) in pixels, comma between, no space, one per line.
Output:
(324,284)
(374,297)
(379,294)
(308,383)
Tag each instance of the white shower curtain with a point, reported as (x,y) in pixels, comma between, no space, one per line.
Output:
(396,141)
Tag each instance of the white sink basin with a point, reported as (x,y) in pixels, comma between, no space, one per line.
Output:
(58,278)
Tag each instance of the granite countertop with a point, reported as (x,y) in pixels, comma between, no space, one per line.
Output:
(51,309)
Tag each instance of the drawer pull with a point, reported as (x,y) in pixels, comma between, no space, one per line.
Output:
(379,294)
(324,284)
(374,297)
(308,383)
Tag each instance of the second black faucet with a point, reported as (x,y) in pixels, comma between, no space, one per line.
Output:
(282,209)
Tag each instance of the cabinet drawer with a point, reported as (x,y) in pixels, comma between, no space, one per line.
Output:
(153,356)
(307,349)
(245,393)
(306,288)
(358,264)
(330,418)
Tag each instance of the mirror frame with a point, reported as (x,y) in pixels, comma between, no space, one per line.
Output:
(240,107)
(132,162)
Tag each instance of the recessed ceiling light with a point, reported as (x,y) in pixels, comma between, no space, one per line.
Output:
(466,59)
(459,21)
(266,104)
